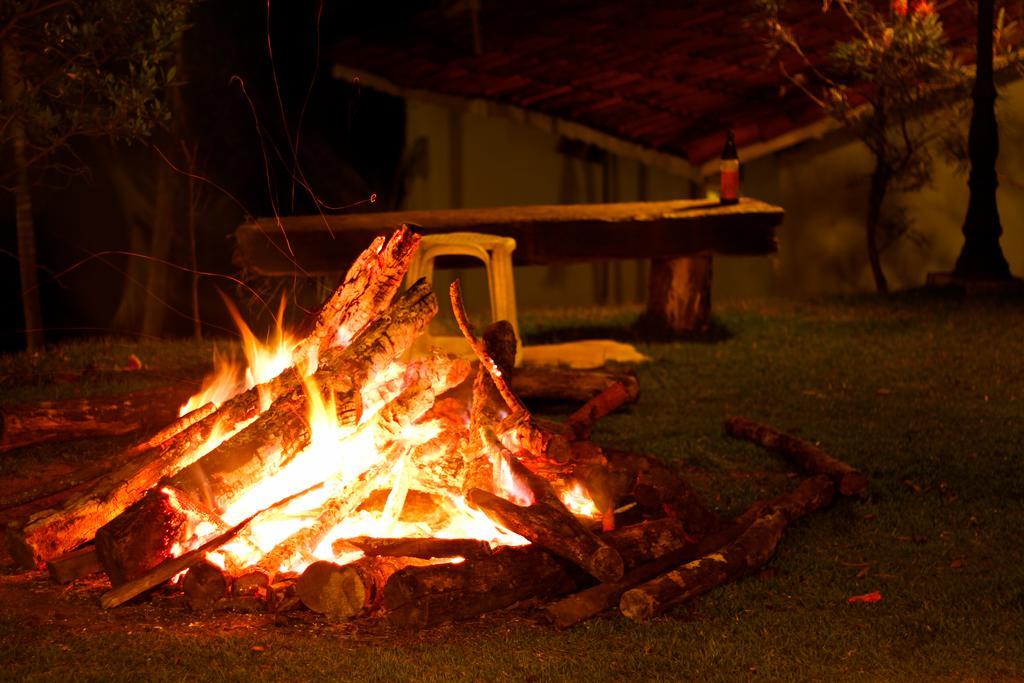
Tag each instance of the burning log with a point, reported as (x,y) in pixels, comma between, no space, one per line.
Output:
(347,496)
(283,430)
(49,533)
(74,565)
(351,590)
(811,495)
(173,566)
(560,384)
(424,548)
(608,401)
(52,532)
(203,585)
(149,532)
(368,288)
(752,549)
(90,417)
(547,522)
(804,454)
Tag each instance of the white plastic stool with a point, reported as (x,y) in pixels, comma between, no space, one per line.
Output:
(496,254)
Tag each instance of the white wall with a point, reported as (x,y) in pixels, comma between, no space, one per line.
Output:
(473,160)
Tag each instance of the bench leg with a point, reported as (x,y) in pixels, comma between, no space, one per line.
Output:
(680,293)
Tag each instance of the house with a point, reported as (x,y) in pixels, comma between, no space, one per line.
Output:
(610,101)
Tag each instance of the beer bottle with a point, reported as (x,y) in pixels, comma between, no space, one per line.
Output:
(729,171)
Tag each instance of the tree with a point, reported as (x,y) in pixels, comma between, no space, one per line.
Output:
(70,70)
(894,83)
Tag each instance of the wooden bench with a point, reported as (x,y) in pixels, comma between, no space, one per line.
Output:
(680,237)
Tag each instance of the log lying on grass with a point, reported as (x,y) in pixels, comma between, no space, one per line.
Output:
(751,550)
(811,495)
(84,418)
(577,386)
(804,454)
(351,590)
(608,401)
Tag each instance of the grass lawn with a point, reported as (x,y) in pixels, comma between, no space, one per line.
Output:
(924,394)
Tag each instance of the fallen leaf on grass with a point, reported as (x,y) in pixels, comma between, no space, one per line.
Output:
(863,572)
(958,563)
(874,596)
(883,392)
(259,648)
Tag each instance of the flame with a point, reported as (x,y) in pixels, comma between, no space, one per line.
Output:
(579,502)
(264,362)
(339,453)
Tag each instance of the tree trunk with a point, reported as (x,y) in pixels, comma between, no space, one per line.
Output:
(680,294)
(157,280)
(13,87)
(879,186)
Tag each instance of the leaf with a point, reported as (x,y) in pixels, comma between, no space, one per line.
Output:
(867,598)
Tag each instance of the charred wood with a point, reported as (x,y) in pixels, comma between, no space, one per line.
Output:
(74,565)
(805,455)
(351,590)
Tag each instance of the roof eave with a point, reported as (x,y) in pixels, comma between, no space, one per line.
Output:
(562,127)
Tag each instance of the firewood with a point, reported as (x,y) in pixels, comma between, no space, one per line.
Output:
(345,497)
(487,362)
(173,566)
(751,550)
(283,430)
(547,440)
(804,454)
(367,288)
(52,532)
(488,407)
(550,525)
(84,418)
(250,582)
(350,590)
(812,494)
(74,565)
(563,384)
(420,597)
(425,548)
(608,401)
(204,584)
(658,488)
(49,533)
(148,533)
(281,596)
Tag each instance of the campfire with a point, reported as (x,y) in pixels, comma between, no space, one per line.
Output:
(344,471)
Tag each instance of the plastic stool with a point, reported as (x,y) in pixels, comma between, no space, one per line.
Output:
(496,254)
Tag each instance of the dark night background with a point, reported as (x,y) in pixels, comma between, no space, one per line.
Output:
(351,143)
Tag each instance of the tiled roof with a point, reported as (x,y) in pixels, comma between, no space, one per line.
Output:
(666,76)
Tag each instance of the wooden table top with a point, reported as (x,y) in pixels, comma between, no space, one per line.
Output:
(544,234)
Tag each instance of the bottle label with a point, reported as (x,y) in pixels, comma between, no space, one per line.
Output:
(730,183)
